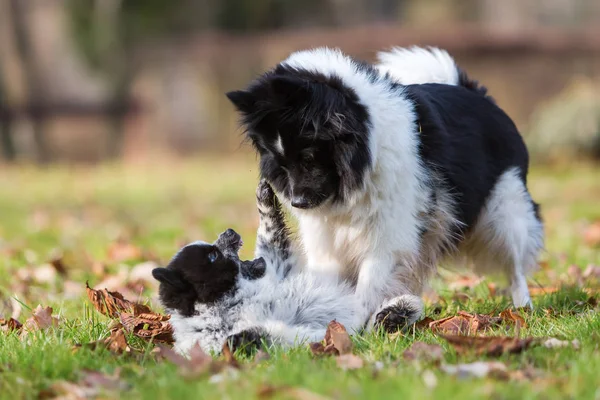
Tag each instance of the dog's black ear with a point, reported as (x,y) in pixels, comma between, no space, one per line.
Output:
(288,85)
(244,101)
(169,277)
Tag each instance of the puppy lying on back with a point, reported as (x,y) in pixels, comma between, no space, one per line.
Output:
(214,297)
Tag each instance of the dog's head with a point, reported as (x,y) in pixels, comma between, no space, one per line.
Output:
(204,273)
(311,133)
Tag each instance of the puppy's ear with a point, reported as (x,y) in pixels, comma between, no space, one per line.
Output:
(169,277)
(244,101)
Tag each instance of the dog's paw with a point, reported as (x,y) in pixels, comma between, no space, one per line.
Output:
(253,269)
(265,196)
(398,313)
(246,340)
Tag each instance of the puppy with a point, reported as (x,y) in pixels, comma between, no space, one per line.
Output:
(387,178)
(213,297)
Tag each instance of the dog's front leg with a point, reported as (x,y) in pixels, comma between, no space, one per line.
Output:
(386,300)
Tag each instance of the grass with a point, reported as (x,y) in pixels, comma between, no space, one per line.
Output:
(81,211)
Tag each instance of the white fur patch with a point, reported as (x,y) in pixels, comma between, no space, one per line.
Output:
(507,237)
(416,65)
(279,145)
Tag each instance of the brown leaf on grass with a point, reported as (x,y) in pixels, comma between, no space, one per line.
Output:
(336,342)
(463,324)
(199,363)
(512,317)
(59,265)
(349,361)
(9,325)
(123,251)
(148,326)
(591,236)
(113,303)
(492,346)
(41,319)
(592,272)
(424,323)
(464,282)
(318,349)
(91,385)
(337,337)
(288,392)
(420,351)
(228,355)
(116,343)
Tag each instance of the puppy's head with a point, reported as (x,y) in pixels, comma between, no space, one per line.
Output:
(205,273)
(200,272)
(310,131)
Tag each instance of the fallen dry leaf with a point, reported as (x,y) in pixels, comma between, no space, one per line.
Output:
(553,343)
(463,324)
(336,342)
(113,303)
(424,323)
(337,336)
(41,319)
(289,392)
(349,361)
(116,343)
(199,363)
(91,385)
(465,282)
(59,265)
(148,326)
(591,236)
(123,251)
(228,356)
(10,308)
(591,272)
(513,317)
(9,325)
(422,351)
(478,369)
(492,346)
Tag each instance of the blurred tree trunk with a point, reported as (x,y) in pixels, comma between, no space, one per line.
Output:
(34,83)
(8,145)
(112,45)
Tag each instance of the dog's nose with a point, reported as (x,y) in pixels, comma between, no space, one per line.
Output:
(300,202)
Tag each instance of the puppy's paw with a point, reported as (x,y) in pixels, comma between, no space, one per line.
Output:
(253,269)
(398,313)
(246,340)
(265,196)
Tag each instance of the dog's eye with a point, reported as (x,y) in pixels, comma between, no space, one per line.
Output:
(213,256)
(309,157)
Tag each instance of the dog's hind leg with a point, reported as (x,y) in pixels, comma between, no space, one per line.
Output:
(509,235)
(273,240)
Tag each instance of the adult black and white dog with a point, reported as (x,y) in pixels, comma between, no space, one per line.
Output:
(389,173)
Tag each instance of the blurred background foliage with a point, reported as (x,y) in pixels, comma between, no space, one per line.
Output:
(88,80)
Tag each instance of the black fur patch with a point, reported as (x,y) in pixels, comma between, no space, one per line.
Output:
(468,141)
(198,273)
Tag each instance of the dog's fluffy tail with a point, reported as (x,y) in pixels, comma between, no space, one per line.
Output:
(417,65)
